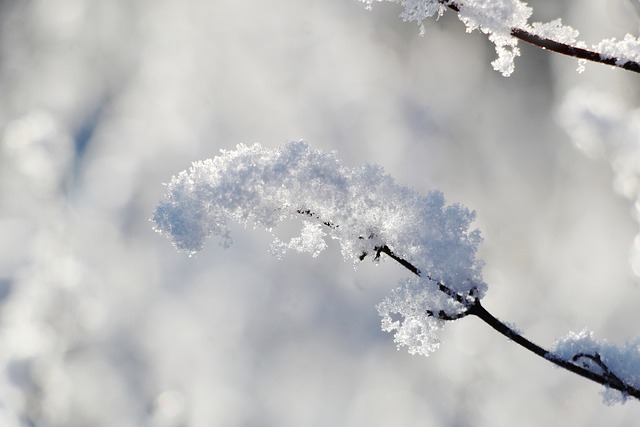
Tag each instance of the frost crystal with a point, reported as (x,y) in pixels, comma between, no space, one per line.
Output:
(602,357)
(625,50)
(497,19)
(362,208)
(554,30)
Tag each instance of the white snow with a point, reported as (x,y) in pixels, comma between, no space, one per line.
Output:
(554,30)
(625,50)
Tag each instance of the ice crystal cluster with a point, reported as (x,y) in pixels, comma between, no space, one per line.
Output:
(362,208)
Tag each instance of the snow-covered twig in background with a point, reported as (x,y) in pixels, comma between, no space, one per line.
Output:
(602,126)
(506,21)
(369,214)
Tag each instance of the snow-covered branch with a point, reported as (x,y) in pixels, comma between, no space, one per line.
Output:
(507,21)
(369,212)
(370,215)
(579,353)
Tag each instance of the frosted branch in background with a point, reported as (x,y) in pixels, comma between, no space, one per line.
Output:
(507,21)
(601,126)
(494,18)
(362,208)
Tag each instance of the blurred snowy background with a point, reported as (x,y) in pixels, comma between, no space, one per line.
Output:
(103,323)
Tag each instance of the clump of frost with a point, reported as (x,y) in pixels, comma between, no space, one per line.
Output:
(416,10)
(625,50)
(496,18)
(404,312)
(622,361)
(554,30)
(311,240)
(362,208)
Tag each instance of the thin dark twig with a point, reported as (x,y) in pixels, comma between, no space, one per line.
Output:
(474,307)
(573,51)
(467,302)
(478,310)
(595,358)
(384,249)
(308,213)
(443,315)
(561,48)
